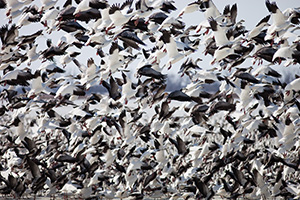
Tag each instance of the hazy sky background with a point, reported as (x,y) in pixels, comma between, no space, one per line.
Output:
(251,11)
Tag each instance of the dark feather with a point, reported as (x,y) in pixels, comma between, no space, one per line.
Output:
(265,19)
(149,178)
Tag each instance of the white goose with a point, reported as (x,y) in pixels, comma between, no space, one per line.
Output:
(190,8)
(223,52)
(20,129)
(285,51)
(90,73)
(46,4)
(259,27)
(172,51)
(169,21)
(114,62)
(11,75)
(51,68)
(37,86)
(99,39)
(67,88)
(280,22)
(157,55)
(219,33)
(118,15)
(288,136)
(32,55)
(13,8)
(127,91)
(142,10)
(15,5)
(290,88)
(50,15)
(69,57)
(294,189)
(25,19)
(82,6)
(105,19)
(210,9)
(68,38)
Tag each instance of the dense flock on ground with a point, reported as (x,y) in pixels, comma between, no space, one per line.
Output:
(232,132)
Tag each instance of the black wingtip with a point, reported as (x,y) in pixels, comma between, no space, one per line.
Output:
(272,7)
(213,24)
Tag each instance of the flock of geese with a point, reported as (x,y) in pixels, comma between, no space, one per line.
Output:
(232,132)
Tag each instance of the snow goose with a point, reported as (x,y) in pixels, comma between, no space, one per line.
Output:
(105,20)
(98,39)
(140,25)
(68,38)
(219,33)
(112,88)
(293,12)
(290,88)
(118,14)
(266,71)
(46,4)
(15,5)
(142,10)
(157,18)
(178,95)
(85,5)
(191,7)
(127,90)
(294,189)
(66,13)
(171,47)
(114,61)
(67,58)
(18,124)
(90,73)
(13,159)
(38,86)
(171,22)
(51,69)
(29,16)
(188,65)
(288,135)
(50,15)
(204,76)
(17,77)
(280,22)
(70,26)
(284,52)
(258,28)
(225,52)
(210,9)
(51,51)
(229,15)
(32,54)
(69,88)
(142,7)
(29,39)
(165,5)
(9,35)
